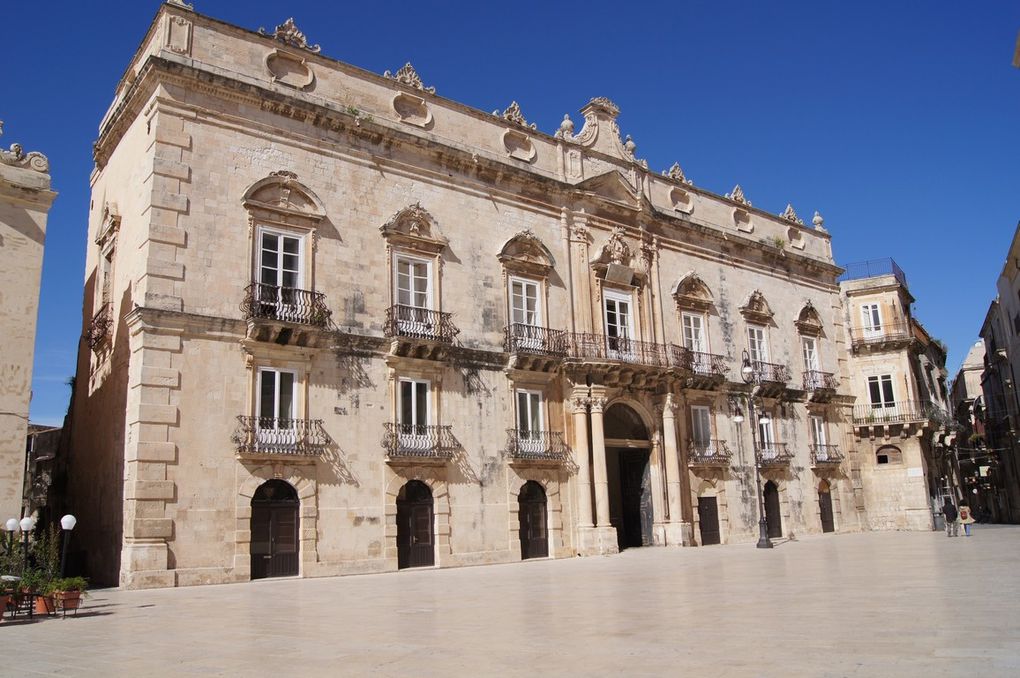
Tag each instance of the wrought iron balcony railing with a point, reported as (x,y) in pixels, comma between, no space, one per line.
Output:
(536,445)
(420,323)
(872,269)
(771,372)
(708,453)
(268,435)
(815,380)
(706,364)
(99,327)
(521,338)
(773,454)
(882,333)
(600,347)
(823,455)
(418,442)
(287,304)
(900,412)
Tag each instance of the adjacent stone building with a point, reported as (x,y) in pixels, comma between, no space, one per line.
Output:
(901,419)
(25,200)
(337,323)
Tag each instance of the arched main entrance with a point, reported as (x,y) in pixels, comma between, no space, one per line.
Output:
(825,506)
(532,516)
(274,530)
(772,516)
(415,543)
(628,451)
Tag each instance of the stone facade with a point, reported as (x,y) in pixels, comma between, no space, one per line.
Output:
(25,200)
(901,419)
(437,334)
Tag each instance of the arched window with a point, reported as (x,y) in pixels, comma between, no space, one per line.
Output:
(889,454)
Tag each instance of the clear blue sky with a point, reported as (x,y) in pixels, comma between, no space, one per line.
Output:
(899,121)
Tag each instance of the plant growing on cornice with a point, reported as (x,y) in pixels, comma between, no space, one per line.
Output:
(775,241)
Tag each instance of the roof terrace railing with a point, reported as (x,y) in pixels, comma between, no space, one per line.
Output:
(873,268)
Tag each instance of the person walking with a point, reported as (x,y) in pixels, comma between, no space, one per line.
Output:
(950,514)
(966,518)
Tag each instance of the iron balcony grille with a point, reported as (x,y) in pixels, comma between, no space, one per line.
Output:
(287,304)
(773,454)
(900,412)
(585,346)
(269,435)
(708,453)
(822,455)
(771,372)
(815,380)
(706,364)
(99,327)
(536,445)
(885,332)
(872,269)
(418,442)
(522,338)
(419,323)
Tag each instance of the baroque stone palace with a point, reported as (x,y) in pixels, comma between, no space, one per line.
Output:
(337,323)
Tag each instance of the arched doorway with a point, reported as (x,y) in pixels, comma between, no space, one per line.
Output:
(628,451)
(708,520)
(415,543)
(532,516)
(772,516)
(274,530)
(825,506)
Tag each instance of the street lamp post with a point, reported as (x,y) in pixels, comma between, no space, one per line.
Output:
(27,524)
(751,376)
(11,526)
(67,522)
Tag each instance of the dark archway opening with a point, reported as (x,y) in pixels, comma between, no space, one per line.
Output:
(825,507)
(708,520)
(628,453)
(772,511)
(274,530)
(532,514)
(415,520)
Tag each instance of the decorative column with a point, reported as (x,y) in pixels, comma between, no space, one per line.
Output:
(580,403)
(598,452)
(674,532)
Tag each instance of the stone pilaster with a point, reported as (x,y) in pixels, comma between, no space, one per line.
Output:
(602,538)
(674,529)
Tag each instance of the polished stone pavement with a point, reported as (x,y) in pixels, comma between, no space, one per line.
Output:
(876,604)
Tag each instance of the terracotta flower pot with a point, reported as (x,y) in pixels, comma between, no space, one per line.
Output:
(44,605)
(68,600)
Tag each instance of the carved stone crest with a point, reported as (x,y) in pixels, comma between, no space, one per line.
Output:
(738,196)
(790,215)
(16,157)
(289,34)
(676,174)
(513,114)
(408,76)
(617,248)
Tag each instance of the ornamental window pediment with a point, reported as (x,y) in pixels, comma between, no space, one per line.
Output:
(808,321)
(757,309)
(614,262)
(691,292)
(281,199)
(413,227)
(525,254)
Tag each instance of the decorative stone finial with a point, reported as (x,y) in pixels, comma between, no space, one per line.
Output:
(676,174)
(513,115)
(408,76)
(603,104)
(16,157)
(566,129)
(630,145)
(181,3)
(818,221)
(738,196)
(288,34)
(790,215)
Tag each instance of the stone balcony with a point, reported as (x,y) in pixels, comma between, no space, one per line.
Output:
(773,455)
(885,337)
(536,447)
(706,371)
(820,386)
(286,315)
(270,437)
(826,456)
(411,444)
(708,454)
(772,378)
(619,361)
(97,334)
(419,332)
(534,348)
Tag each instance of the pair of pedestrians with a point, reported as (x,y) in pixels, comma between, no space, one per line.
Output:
(956,518)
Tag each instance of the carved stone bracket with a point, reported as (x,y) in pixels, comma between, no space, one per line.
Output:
(408,76)
(289,34)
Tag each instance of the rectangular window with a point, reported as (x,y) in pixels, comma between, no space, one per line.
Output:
(756,343)
(694,332)
(818,431)
(280,257)
(414,406)
(525,308)
(529,414)
(871,319)
(701,426)
(275,427)
(413,288)
(766,436)
(880,391)
(810,345)
(619,325)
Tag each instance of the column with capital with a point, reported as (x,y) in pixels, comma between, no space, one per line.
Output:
(674,531)
(598,453)
(580,402)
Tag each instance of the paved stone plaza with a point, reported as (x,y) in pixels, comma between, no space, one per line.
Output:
(875,604)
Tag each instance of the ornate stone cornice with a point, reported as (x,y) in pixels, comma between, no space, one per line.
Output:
(16,157)
(408,76)
(289,34)
(513,114)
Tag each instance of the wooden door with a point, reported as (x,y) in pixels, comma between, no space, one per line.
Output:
(532,516)
(415,520)
(274,531)
(772,517)
(708,520)
(825,510)
(636,496)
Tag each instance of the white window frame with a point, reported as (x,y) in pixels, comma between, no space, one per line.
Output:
(704,414)
(618,347)
(276,435)
(758,345)
(525,284)
(530,439)
(414,435)
(882,380)
(702,326)
(399,257)
(818,435)
(871,316)
(767,438)
(280,234)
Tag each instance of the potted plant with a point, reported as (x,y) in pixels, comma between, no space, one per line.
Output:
(68,592)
